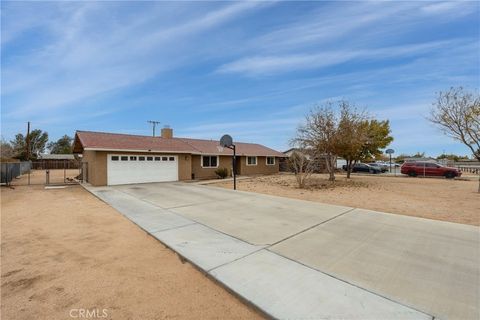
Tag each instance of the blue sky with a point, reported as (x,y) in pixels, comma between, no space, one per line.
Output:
(251,69)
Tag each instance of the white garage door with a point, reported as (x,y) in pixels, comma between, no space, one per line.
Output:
(125,169)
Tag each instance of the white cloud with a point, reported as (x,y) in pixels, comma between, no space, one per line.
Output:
(91,51)
(450,8)
(266,65)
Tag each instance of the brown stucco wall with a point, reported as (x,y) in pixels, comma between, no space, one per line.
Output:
(97,165)
(209,173)
(90,157)
(260,168)
(187,164)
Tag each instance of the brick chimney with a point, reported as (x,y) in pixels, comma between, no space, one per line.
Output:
(167,133)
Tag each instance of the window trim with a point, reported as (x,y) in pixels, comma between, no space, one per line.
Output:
(269,164)
(211,156)
(256,160)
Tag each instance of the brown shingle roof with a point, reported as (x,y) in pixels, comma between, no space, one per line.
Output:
(115,141)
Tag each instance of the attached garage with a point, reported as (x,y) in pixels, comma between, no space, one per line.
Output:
(141,168)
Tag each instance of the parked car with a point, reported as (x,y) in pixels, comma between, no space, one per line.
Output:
(414,169)
(387,163)
(363,167)
(379,165)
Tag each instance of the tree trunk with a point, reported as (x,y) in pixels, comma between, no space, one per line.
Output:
(349,168)
(330,163)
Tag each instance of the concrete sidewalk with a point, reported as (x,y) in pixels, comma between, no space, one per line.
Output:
(297,259)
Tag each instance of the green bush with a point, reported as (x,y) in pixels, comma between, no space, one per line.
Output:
(222,173)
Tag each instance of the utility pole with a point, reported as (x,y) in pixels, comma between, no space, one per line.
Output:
(154,124)
(28,141)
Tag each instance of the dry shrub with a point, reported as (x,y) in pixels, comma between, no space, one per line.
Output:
(315,182)
(319,183)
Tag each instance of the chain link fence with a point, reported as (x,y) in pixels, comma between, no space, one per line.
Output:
(51,172)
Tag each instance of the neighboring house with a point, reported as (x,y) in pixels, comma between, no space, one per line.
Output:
(122,159)
(321,166)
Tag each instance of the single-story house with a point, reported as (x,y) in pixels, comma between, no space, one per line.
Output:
(123,159)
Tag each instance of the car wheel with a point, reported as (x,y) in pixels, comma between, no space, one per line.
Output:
(371,171)
(449,175)
(412,174)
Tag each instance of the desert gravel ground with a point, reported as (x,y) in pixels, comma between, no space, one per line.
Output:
(63,249)
(431,198)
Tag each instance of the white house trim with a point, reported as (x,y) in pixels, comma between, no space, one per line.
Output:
(209,155)
(269,164)
(246,160)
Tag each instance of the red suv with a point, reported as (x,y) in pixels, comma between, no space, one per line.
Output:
(414,169)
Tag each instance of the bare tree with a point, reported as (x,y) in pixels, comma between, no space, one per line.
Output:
(319,135)
(457,113)
(303,166)
(6,150)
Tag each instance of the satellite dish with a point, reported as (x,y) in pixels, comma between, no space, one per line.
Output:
(226,141)
(389,151)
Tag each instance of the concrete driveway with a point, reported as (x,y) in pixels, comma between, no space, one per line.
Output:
(297,259)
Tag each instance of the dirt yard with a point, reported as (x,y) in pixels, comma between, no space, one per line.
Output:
(38,177)
(432,198)
(63,250)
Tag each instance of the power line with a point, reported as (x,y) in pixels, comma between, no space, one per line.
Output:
(27,138)
(154,124)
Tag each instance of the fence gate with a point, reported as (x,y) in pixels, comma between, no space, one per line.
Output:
(51,172)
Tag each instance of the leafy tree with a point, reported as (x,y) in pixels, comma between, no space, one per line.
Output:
(352,134)
(61,146)
(360,138)
(401,157)
(38,141)
(452,157)
(377,138)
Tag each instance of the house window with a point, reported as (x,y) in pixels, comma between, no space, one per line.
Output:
(141,158)
(209,161)
(251,161)
(133,158)
(149,158)
(270,161)
(124,158)
(114,158)
(171,159)
(157,158)
(164,158)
